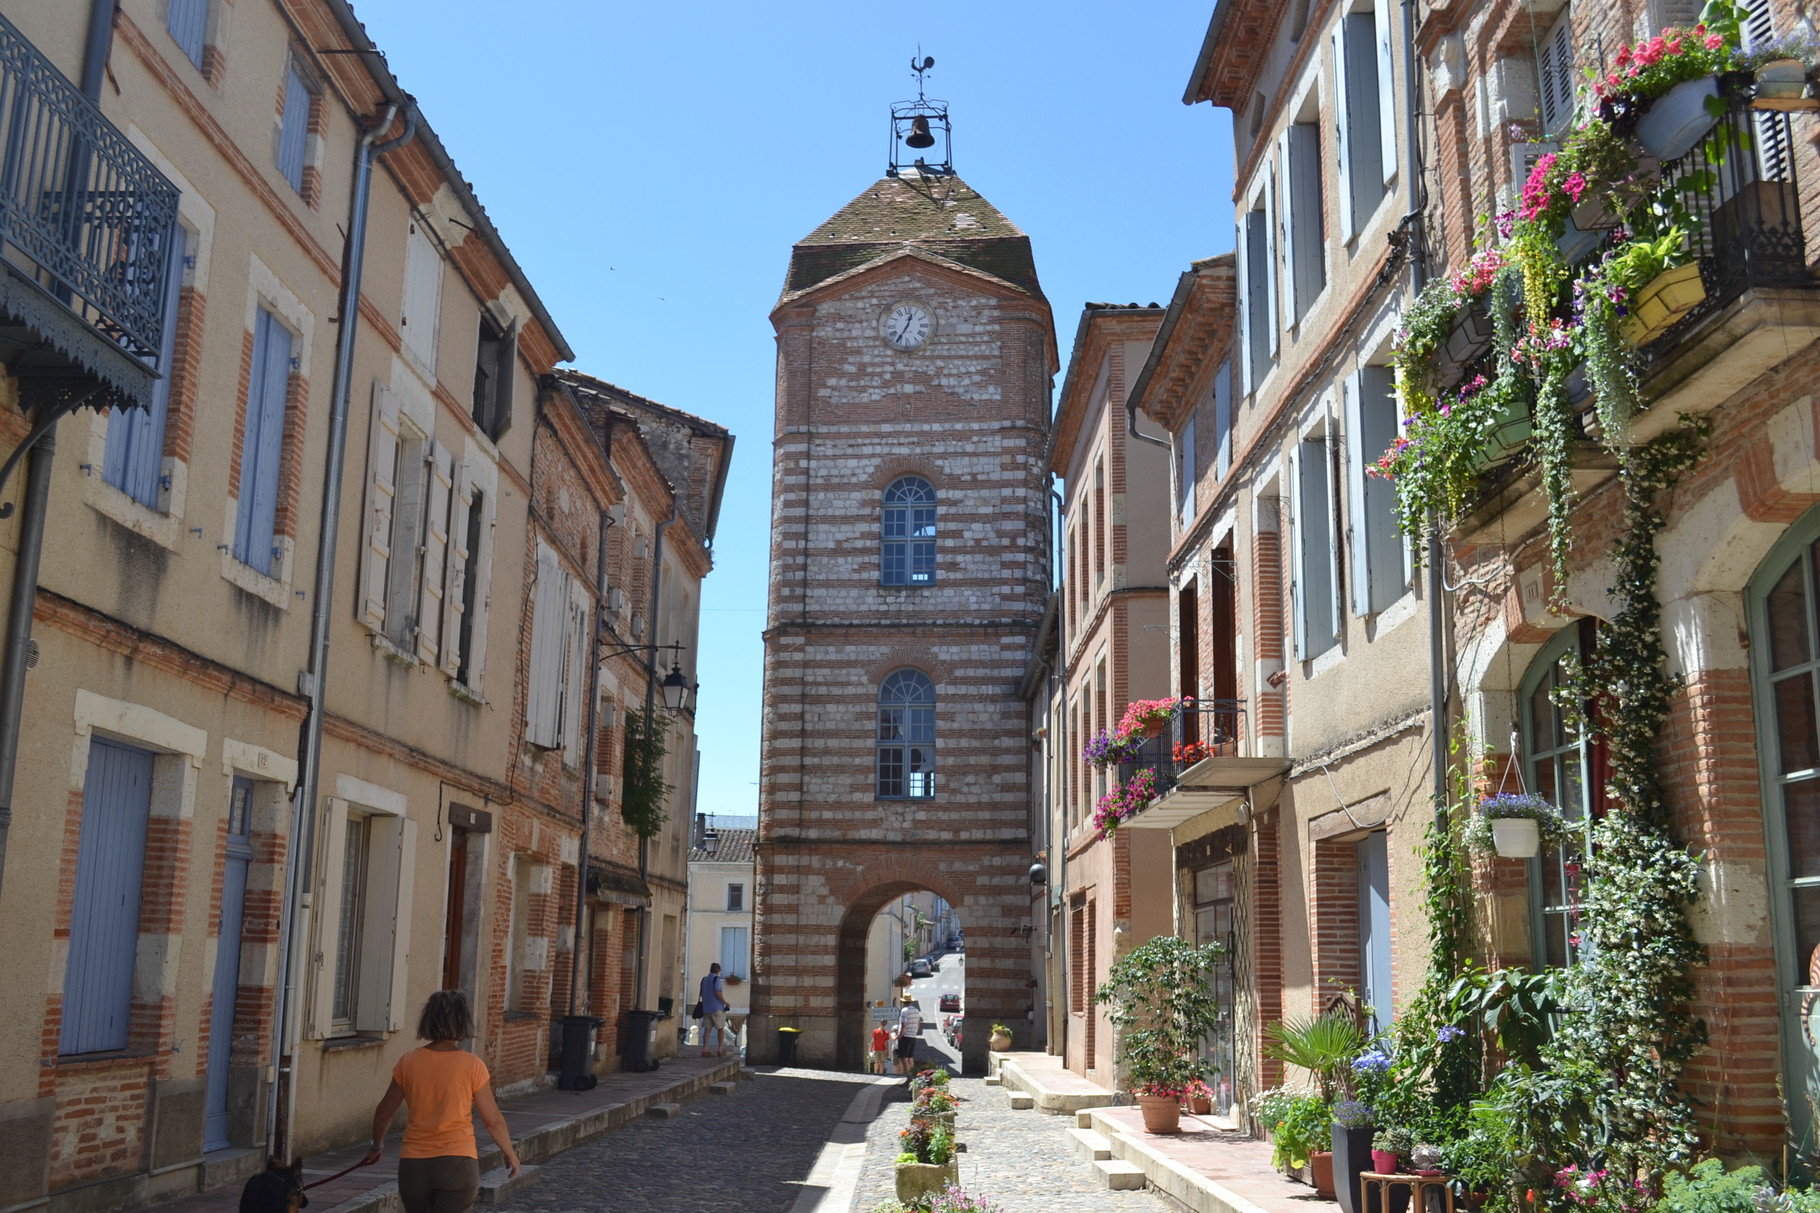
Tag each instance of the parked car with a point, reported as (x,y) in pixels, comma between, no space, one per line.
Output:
(919,968)
(951,1028)
(951,1002)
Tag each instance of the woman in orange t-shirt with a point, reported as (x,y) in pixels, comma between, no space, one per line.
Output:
(441,1087)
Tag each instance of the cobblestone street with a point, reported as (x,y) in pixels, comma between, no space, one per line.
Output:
(1022,1161)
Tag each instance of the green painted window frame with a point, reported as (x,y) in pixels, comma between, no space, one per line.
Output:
(1577,750)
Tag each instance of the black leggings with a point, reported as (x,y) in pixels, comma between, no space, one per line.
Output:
(447,1184)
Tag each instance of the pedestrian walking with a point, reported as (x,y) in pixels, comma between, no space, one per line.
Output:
(441,1087)
(881,1046)
(713,1011)
(909,1027)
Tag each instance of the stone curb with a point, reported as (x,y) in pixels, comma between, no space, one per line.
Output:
(1182,1184)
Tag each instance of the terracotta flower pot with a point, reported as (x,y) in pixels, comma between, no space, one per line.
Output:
(1669,296)
(1000,1042)
(1153,728)
(1162,1114)
(1320,1169)
(1200,1105)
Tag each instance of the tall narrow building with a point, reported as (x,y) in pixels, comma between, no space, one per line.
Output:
(909,574)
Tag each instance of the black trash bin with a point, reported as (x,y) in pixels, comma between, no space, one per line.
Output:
(786,1045)
(576,1073)
(640,1040)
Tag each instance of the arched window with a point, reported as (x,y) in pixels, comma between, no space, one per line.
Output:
(906,548)
(906,736)
(1559,765)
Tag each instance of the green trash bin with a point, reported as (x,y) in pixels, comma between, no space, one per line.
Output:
(786,1045)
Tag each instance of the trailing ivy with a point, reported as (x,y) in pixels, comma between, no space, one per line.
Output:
(645,790)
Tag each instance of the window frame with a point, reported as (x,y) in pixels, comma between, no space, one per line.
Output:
(736,897)
(197,14)
(901,747)
(1542,668)
(900,555)
(133,461)
(249,514)
(291,153)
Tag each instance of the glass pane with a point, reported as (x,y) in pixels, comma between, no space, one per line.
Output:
(1554,881)
(1544,775)
(1573,785)
(1801,813)
(922,562)
(896,523)
(1795,723)
(1807,934)
(346,937)
(237,807)
(1787,610)
(890,724)
(922,725)
(890,771)
(891,569)
(925,521)
(1206,930)
(1555,939)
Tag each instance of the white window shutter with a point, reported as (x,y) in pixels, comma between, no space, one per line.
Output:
(1391,557)
(382,487)
(483,595)
(407,537)
(1357,528)
(1185,490)
(1292,301)
(1298,572)
(1387,109)
(398,991)
(1222,420)
(1272,268)
(575,681)
(454,606)
(422,295)
(549,616)
(386,931)
(433,584)
(328,918)
(1342,136)
(1334,610)
(1247,373)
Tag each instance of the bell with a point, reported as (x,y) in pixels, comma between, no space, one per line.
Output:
(919,136)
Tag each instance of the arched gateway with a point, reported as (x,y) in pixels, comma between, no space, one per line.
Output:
(909,575)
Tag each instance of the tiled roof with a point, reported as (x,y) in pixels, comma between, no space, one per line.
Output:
(735,847)
(943,215)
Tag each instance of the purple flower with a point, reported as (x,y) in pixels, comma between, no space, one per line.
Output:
(1372,1061)
(1449,1034)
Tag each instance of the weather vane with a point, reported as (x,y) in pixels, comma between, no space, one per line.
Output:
(915,124)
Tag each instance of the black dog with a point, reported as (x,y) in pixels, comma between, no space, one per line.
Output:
(277,1189)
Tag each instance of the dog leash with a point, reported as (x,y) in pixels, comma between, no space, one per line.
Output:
(337,1175)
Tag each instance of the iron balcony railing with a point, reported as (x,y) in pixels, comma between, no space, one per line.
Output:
(83,214)
(1207,728)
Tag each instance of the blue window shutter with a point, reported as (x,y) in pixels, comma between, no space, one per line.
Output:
(263,442)
(104,911)
(1390,573)
(188,22)
(294,129)
(135,437)
(1364,145)
(1241,245)
(1342,136)
(1222,420)
(1387,110)
(1294,303)
(1359,455)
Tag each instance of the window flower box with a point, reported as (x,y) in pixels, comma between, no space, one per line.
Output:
(1782,85)
(1471,336)
(1668,296)
(1678,118)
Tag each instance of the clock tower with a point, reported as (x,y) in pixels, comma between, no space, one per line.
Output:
(909,575)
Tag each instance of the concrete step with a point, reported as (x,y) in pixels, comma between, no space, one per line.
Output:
(496,1187)
(723,1088)
(666,1111)
(1091,1146)
(1083,1119)
(1021,1102)
(1120,1176)
(993,1080)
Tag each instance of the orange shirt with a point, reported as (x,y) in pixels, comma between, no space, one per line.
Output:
(439,1089)
(881,1040)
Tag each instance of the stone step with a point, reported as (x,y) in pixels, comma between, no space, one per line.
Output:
(666,1111)
(496,1186)
(1083,1119)
(1120,1176)
(1021,1102)
(1091,1146)
(722,1088)
(993,1080)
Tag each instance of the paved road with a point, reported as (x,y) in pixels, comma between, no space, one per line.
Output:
(1022,1161)
(744,1153)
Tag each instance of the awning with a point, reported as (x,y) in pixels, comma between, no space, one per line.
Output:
(616,886)
(72,353)
(1209,784)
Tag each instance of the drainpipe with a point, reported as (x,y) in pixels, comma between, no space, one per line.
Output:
(1131,419)
(644,844)
(281,1101)
(39,461)
(592,750)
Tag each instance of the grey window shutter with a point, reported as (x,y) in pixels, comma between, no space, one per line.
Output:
(1358,457)
(1387,108)
(1310,268)
(1330,468)
(1272,270)
(1241,244)
(1363,144)
(1298,581)
(188,22)
(1293,301)
(294,128)
(1342,136)
(1222,420)
(1259,339)
(1387,553)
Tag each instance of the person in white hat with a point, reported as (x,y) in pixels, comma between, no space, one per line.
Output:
(909,1027)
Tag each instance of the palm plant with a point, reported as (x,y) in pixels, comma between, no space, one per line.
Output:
(1324,1046)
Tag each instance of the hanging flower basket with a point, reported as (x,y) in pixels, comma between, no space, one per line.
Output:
(1669,296)
(1515,825)
(1516,837)
(1678,118)
(1471,336)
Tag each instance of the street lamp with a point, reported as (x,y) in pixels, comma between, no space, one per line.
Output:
(676,687)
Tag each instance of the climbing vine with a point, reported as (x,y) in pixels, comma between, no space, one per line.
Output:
(645,790)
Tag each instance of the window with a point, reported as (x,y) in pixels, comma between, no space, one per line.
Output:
(1558,766)
(1258,314)
(1364,118)
(366,876)
(104,909)
(471,530)
(735,951)
(188,23)
(1380,567)
(736,898)
(1303,235)
(559,648)
(262,443)
(907,533)
(135,437)
(906,736)
(1555,73)
(1375,985)
(1099,522)
(1317,605)
(294,127)
(422,297)
(494,361)
(408,588)
(1185,471)
(1215,896)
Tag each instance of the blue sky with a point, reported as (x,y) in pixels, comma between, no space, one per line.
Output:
(650,166)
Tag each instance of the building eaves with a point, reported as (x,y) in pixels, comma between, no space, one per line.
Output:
(374,58)
(1189,305)
(1083,332)
(1239,37)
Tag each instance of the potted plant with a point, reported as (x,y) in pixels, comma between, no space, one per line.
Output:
(926,1164)
(1674,75)
(1780,69)
(1353,1126)
(1326,1046)
(1108,749)
(1148,717)
(1299,1124)
(937,1103)
(1125,801)
(1661,285)
(1001,1038)
(1200,1097)
(1515,825)
(1162,1006)
(1389,1148)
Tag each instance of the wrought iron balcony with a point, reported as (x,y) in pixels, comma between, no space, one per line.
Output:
(1198,763)
(87,223)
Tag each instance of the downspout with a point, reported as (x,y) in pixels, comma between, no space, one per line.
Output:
(39,461)
(281,1103)
(644,844)
(1058,916)
(592,749)
(1131,423)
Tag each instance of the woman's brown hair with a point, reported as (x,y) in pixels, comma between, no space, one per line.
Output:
(446,1016)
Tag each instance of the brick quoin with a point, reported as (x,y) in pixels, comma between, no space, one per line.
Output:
(969,412)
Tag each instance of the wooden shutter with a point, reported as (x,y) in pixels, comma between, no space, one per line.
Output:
(1315,553)
(262,442)
(1364,150)
(1555,73)
(576,680)
(385,936)
(1342,140)
(1222,420)
(1272,268)
(1186,487)
(455,574)
(294,128)
(432,584)
(1241,246)
(1257,294)
(422,294)
(1293,301)
(1304,181)
(1387,107)
(328,925)
(188,22)
(1389,554)
(381,489)
(1773,154)
(504,378)
(104,909)
(549,638)
(1330,468)
(1358,457)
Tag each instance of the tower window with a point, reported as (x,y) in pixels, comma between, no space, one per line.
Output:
(906,553)
(906,736)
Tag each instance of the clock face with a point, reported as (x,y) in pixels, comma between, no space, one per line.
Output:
(908,325)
